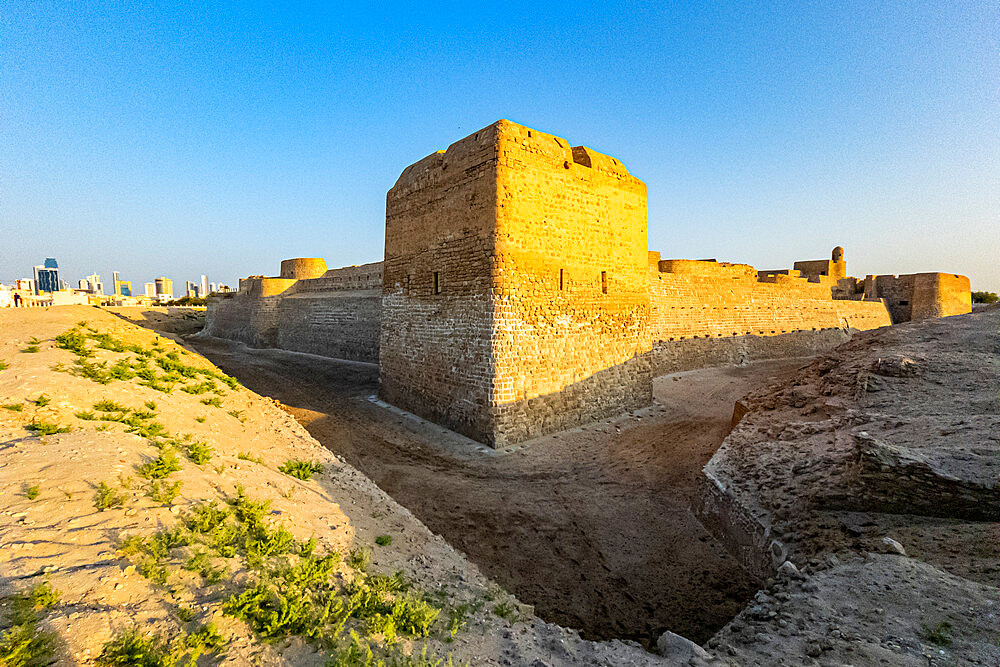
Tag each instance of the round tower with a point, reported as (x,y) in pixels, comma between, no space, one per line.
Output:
(302,268)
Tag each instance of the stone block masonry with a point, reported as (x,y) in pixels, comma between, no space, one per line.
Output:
(517,296)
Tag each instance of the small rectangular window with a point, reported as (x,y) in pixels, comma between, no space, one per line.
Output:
(560,280)
(904,303)
(437,282)
(604,281)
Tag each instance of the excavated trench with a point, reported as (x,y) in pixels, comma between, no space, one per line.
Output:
(592,526)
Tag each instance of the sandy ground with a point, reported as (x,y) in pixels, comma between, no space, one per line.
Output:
(60,536)
(591,526)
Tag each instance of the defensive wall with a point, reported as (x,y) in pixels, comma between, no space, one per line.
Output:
(335,314)
(518,297)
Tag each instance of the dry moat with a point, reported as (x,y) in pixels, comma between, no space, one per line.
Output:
(592,526)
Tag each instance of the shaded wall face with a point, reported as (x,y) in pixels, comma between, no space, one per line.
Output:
(570,287)
(437,303)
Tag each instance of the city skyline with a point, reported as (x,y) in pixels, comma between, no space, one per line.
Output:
(763,134)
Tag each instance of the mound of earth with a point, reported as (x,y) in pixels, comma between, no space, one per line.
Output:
(150,504)
(887,445)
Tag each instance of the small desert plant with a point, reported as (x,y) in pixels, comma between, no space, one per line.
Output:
(3,366)
(247,456)
(106,497)
(383,540)
(42,427)
(86,415)
(161,492)
(150,405)
(201,563)
(164,464)
(238,414)
(75,342)
(359,558)
(300,469)
(456,619)
(200,420)
(133,649)
(42,400)
(186,614)
(212,400)
(30,349)
(23,643)
(199,452)
(506,610)
(110,406)
(31,491)
(15,407)
(939,635)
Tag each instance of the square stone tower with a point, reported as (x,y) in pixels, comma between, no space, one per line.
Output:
(514,295)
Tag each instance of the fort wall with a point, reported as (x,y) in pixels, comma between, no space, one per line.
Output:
(335,315)
(571,301)
(705,313)
(436,352)
(517,296)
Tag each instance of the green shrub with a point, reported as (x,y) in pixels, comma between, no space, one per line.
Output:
(15,407)
(132,649)
(199,388)
(86,415)
(383,540)
(75,342)
(106,497)
(506,610)
(200,420)
(41,427)
(31,349)
(110,406)
(939,635)
(164,464)
(150,405)
(199,452)
(201,563)
(161,492)
(23,643)
(213,400)
(3,366)
(359,558)
(247,456)
(31,492)
(42,400)
(985,297)
(300,469)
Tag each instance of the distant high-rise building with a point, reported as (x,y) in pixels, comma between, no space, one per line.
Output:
(203,287)
(212,287)
(94,284)
(123,287)
(47,277)
(190,289)
(24,284)
(115,279)
(164,288)
(150,289)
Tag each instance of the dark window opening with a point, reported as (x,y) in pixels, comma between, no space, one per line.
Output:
(604,281)
(560,280)
(437,282)
(904,303)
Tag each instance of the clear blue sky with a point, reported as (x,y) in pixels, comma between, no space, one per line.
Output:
(187,138)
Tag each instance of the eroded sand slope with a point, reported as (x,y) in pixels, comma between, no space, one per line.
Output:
(51,528)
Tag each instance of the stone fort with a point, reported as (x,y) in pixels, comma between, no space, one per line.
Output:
(518,297)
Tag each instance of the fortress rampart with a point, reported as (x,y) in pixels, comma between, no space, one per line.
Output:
(517,295)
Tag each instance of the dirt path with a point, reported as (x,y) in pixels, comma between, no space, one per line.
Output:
(592,525)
